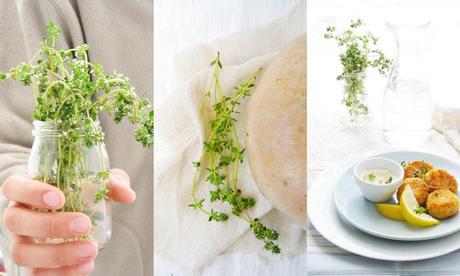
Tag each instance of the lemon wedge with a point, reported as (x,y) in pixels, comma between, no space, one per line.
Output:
(408,204)
(390,211)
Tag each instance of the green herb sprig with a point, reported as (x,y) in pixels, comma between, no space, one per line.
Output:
(70,92)
(358,54)
(224,154)
(65,85)
(420,210)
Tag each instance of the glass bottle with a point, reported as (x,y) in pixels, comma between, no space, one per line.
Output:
(79,172)
(407,102)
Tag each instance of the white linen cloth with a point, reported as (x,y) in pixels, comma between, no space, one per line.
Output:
(183,235)
(446,120)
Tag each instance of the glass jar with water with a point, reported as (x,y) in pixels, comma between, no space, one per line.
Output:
(407,102)
(79,171)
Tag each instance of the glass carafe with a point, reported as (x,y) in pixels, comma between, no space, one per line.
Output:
(79,171)
(407,102)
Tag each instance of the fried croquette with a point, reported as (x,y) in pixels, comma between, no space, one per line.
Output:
(442,204)
(418,187)
(438,179)
(417,168)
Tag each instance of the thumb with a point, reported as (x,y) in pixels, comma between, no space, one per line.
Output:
(120,187)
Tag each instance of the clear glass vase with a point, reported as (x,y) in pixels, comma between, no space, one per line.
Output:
(80,172)
(407,102)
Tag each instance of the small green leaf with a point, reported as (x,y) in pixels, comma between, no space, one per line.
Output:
(102,194)
(104,175)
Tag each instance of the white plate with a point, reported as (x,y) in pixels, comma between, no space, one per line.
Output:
(325,218)
(361,213)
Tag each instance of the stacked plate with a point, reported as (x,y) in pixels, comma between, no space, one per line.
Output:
(338,210)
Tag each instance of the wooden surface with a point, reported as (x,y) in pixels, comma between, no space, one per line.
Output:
(179,25)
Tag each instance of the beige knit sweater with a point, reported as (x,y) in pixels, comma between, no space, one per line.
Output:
(120,34)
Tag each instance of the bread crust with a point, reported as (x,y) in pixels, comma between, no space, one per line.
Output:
(275,132)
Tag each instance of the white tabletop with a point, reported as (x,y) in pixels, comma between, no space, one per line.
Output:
(180,25)
(330,137)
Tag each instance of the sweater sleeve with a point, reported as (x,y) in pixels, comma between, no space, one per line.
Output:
(23,26)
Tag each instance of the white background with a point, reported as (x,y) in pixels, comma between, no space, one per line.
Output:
(179,25)
(441,55)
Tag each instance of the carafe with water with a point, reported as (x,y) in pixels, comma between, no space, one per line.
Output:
(407,102)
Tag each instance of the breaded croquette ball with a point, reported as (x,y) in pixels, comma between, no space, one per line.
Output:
(418,187)
(442,204)
(417,168)
(438,179)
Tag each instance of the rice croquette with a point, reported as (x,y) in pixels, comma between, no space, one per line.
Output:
(418,187)
(442,204)
(417,168)
(438,179)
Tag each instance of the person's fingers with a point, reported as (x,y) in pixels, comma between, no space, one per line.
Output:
(119,187)
(76,270)
(26,253)
(23,221)
(34,193)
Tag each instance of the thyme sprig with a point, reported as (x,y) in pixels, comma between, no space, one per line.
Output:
(65,85)
(224,154)
(359,52)
(70,91)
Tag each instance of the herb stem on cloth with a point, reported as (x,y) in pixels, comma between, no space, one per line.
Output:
(223,155)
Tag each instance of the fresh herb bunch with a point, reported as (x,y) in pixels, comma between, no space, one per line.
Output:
(224,155)
(65,85)
(70,92)
(358,54)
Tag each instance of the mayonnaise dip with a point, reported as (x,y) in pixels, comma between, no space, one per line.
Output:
(377,176)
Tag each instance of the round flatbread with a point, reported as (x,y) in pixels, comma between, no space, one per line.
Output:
(275,132)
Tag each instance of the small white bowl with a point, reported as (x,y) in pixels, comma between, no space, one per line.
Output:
(378,192)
